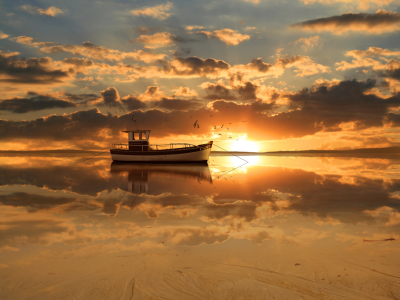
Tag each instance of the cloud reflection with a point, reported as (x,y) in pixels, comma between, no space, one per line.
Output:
(161,200)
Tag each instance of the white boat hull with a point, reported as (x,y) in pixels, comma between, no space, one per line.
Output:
(201,155)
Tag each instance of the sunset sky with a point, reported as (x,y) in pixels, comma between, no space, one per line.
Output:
(257,74)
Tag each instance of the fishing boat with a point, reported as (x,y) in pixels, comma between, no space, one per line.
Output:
(139,149)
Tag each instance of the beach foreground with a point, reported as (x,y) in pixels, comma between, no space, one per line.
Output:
(275,228)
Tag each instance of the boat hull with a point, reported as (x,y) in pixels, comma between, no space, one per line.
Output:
(200,153)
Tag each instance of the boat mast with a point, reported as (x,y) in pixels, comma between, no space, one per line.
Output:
(134,120)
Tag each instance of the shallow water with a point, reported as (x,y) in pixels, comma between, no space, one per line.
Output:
(271,227)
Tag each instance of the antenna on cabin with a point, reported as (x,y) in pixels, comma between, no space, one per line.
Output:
(133,119)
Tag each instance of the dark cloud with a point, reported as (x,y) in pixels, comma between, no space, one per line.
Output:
(195,66)
(152,90)
(33,103)
(345,102)
(247,91)
(131,102)
(392,71)
(218,91)
(243,92)
(30,71)
(110,97)
(262,106)
(80,98)
(378,22)
(259,65)
(49,128)
(324,108)
(176,104)
(78,62)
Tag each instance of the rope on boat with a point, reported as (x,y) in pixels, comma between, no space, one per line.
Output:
(246,162)
(231,153)
(95,155)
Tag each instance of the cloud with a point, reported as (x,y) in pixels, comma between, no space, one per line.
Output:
(361,4)
(305,66)
(310,42)
(238,90)
(176,104)
(101,53)
(374,58)
(228,36)
(157,40)
(157,12)
(30,71)
(217,91)
(52,11)
(259,65)
(329,103)
(320,109)
(195,66)
(302,65)
(131,102)
(81,99)
(33,102)
(90,50)
(185,92)
(3,35)
(191,67)
(379,22)
(190,28)
(110,97)
(373,51)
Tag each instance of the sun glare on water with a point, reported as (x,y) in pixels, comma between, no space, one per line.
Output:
(245,146)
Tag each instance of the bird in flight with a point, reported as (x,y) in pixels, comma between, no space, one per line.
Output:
(198,126)
(195,123)
(215,127)
(222,126)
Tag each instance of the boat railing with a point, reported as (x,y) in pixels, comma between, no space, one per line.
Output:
(171,146)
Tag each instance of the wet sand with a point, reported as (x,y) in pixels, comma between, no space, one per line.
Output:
(282,228)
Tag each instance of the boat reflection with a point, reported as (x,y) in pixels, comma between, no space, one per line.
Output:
(139,174)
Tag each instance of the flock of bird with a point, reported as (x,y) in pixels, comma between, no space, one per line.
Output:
(196,125)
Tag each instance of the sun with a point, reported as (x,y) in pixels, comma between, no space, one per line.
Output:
(245,146)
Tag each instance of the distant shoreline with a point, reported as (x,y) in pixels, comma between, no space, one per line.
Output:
(385,150)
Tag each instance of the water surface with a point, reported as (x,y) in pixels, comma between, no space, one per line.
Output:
(283,227)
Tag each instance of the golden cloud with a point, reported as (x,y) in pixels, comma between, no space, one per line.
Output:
(157,12)
(376,23)
(157,40)
(228,36)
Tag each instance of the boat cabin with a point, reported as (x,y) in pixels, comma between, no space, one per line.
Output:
(138,139)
